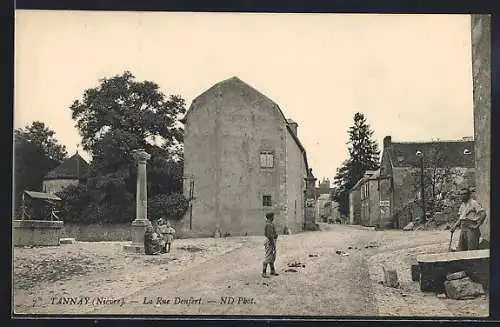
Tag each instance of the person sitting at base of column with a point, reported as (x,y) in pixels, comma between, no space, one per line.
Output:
(153,244)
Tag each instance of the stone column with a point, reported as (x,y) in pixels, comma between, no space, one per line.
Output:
(141,218)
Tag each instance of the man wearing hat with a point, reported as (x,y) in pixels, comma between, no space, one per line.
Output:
(470,216)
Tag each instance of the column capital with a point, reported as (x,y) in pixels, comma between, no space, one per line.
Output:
(140,155)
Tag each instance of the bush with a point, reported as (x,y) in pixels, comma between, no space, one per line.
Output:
(169,206)
(82,205)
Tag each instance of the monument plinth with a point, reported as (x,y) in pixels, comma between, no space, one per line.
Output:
(141,215)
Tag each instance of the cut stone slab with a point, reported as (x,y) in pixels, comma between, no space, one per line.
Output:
(457,275)
(67,241)
(462,289)
(391,278)
(415,273)
(435,267)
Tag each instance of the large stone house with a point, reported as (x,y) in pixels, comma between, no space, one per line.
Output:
(242,159)
(448,166)
(71,171)
(481,66)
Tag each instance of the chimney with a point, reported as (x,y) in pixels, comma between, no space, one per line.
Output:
(293,125)
(387,141)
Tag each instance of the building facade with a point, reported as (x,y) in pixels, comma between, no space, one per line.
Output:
(370,198)
(355,204)
(245,159)
(481,70)
(448,166)
(71,171)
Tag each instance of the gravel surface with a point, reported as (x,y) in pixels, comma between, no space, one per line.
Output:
(333,272)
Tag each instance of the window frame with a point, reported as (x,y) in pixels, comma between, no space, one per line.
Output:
(267,200)
(266,159)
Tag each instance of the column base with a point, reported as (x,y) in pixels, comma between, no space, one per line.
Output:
(137,244)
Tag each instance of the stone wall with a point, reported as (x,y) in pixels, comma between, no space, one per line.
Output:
(36,232)
(481,70)
(226,129)
(407,190)
(120,232)
(295,184)
(98,232)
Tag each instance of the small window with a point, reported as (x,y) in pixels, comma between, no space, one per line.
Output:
(266,159)
(267,201)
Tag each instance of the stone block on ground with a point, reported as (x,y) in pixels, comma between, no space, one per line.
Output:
(483,244)
(410,226)
(415,273)
(462,289)
(67,240)
(435,267)
(391,278)
(456,275)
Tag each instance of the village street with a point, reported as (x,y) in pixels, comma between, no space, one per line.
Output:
(327,284)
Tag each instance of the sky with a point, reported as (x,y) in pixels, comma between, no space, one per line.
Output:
(409,74)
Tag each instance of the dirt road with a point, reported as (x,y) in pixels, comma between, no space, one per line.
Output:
(328,284)
(224,279)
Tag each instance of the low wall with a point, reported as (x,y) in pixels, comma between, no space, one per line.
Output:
(98,232)
(36,232)
(115,232)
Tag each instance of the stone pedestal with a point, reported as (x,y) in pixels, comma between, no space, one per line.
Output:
(141,220)
(138,227)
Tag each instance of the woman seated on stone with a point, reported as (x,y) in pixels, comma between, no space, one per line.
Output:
(153,244)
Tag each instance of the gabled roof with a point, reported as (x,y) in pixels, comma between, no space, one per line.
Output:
(42,196)
(369,175)
(75,167)
(436,154)
(237,81)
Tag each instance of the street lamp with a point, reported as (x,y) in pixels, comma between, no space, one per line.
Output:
(422,190)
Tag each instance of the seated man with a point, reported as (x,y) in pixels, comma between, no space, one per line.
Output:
(153,244)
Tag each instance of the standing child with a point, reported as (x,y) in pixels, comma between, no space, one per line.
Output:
(168,233)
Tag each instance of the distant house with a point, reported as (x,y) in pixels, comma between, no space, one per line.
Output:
(242,159)
(323,207)
(364,200)
(355,204)
(323,200)
(448,165)
(370,198)
(71,171)
(336,212)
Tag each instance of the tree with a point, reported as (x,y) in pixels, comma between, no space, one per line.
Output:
(36,152)
(363,156)
(138,111)
(117,117)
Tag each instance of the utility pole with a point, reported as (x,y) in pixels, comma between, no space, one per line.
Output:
(422,186)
